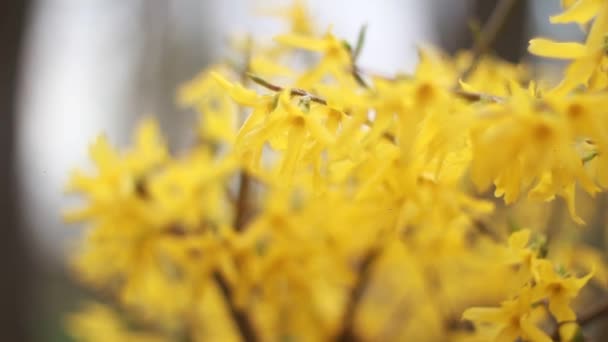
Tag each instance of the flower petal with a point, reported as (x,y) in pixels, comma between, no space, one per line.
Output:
(559,306)
(563,50)
(485,315)
(301,41)
(519,239)
(508,334)
(532,333)
(581,12)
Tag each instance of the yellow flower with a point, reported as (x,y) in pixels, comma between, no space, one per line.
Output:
(586,58)
(514,319)
(298,16)
(586,121)
(218,114)
(97,322)
(262,66)
(537,154)
(117,184)
(188,192)
(294,129)
(520,254)
(344,207)
(558,289)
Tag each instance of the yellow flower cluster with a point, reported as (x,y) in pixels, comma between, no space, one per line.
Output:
(543,288)
(322,202)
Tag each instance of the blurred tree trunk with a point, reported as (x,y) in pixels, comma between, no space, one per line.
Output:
(175,49)
(15,263)
(511,41)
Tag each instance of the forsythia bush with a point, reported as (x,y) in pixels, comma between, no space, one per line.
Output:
(322,202)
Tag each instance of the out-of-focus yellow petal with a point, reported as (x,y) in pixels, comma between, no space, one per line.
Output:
(265,67)
(102,153)
(467,87)
(568,331)
(237,92)
(580,12)
(485,315)
(577,73)
(580,282)
(318,131)
(544,271)
(569,196)
(519,239)
(302,42)
(559,307)
(549,48)
(532,332)
(295,141)
(508,334)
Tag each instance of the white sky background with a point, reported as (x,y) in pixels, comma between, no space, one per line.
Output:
(81,76)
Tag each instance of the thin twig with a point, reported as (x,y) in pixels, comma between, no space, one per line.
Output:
(347,332)
(242,201)
(483,229)
(245,326)
(293,91)
(300,92)
(241,319)
(488,34)
(469,96)
(474,97)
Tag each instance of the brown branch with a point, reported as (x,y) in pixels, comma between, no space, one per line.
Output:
(245,326)
(242,201)
(483,229)
(347,332)
(241,319)
(470,96)
(300,92)
(293,91)
(474,97)
(488,34)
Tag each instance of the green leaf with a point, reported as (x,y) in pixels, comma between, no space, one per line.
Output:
(360,42)
(347,46)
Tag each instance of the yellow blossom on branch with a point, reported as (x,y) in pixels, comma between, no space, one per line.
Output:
(324,202)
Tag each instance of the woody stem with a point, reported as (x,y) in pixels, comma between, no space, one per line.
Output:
(488,34)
